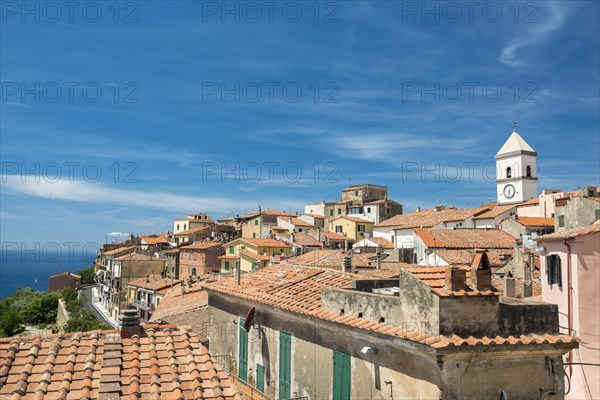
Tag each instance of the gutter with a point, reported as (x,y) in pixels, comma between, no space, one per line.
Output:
(569,302)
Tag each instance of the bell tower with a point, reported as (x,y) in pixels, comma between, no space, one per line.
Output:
(516,170)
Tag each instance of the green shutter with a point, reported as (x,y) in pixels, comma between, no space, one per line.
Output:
(255,222)
(254,235)
(253,266)
(230,249)
(561,220)
(331,212)
(285,364)
(226,265)
(339,211)
(341,376)
(597,214)
(260,377)
(243,356)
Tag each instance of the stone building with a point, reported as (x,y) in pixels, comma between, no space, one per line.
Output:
(60,281)
(428,332)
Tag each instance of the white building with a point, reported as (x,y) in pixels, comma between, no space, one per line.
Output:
(516,175)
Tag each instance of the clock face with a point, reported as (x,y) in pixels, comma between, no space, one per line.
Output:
(509,191)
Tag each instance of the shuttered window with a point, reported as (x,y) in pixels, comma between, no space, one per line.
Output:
(554,270)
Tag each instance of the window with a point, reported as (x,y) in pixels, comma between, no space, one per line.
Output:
(253,266)
(255,222)
(254,235)
(227,266)
(508,172)
(341,376)
(356,192)
(243,352)
(528,171)
(260,378)
(361,228)
(597,214)
(230,249)
(285,364)
(553,270)
(194,256)
(331,212)
(339,211)
(561,220)
(177,226)
(338,229)
(368,210)
(193,271)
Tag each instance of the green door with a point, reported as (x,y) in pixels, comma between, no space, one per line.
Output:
(285,364)
(260,377)
(243,372)
(341,376)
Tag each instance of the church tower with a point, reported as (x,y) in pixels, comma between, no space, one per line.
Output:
(516,171)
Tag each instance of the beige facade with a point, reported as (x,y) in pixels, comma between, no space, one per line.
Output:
(353,228)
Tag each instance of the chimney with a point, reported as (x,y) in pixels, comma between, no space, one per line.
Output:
(481,273)
(347,263)
(456,279)
(509,286)
(130,323)
(378,252)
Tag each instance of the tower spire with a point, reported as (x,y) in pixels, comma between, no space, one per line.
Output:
(515,122)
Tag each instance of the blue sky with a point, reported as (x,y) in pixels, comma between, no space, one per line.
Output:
(364,92)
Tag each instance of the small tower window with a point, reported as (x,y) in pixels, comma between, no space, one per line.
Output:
(528,171)
(508,172)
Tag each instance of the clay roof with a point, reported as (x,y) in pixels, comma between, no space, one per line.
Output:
(135,257)
(298,290)
(153,282)
(302,239)
(275,213)
(536,221)
(297,222)
(191,230)
(200,246)
(174,303)
(355,219)
(331,259)
(265,242)
(381,242)
(495,211)
(164,361)
(329,235)
(315,216)
(497,257)
(354,187)
(66,274)
(465,238)
(429,218)
(154,240)
(530,202)
(255,255)
(279,228)
(435,278)
(571,233)
(119,250)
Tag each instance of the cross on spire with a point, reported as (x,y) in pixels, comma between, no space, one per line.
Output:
(515,122)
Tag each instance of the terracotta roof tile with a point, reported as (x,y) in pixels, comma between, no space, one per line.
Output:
(200,246)
(153,282)
(465,238)
(260,242)
(112,367)
(571,233)
(536,221)
(298,289)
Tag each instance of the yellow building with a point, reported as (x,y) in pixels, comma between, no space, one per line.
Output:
(252,253)
(258,225)
(352,227)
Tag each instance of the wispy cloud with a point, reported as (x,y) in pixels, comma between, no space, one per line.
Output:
(119,234)
(537,34)
(82,191)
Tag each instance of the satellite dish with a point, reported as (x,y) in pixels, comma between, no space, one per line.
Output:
(249,318)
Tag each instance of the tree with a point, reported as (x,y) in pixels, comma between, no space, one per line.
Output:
(87,276)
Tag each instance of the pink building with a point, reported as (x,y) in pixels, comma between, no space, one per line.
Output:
(199,259)
(571,259)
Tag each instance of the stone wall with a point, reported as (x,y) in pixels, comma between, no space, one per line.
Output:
(62,316)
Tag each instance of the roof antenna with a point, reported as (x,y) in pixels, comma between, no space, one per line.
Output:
(515,122)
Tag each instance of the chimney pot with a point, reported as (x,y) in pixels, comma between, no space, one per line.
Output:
(456,279)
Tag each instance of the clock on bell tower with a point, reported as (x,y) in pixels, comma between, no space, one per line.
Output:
(516,171)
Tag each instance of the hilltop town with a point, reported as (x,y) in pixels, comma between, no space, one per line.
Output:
(357,298)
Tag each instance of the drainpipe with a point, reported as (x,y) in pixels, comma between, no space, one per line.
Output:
(569,302)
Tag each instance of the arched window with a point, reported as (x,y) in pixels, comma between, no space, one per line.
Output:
(193,271)
(528,171)
(508,172)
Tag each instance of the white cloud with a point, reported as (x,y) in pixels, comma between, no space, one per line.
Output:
(120,234)
(83,191)
(537,34)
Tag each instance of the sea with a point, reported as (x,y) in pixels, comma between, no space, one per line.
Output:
(33,269)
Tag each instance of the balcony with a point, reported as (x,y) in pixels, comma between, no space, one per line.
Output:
(142,305)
